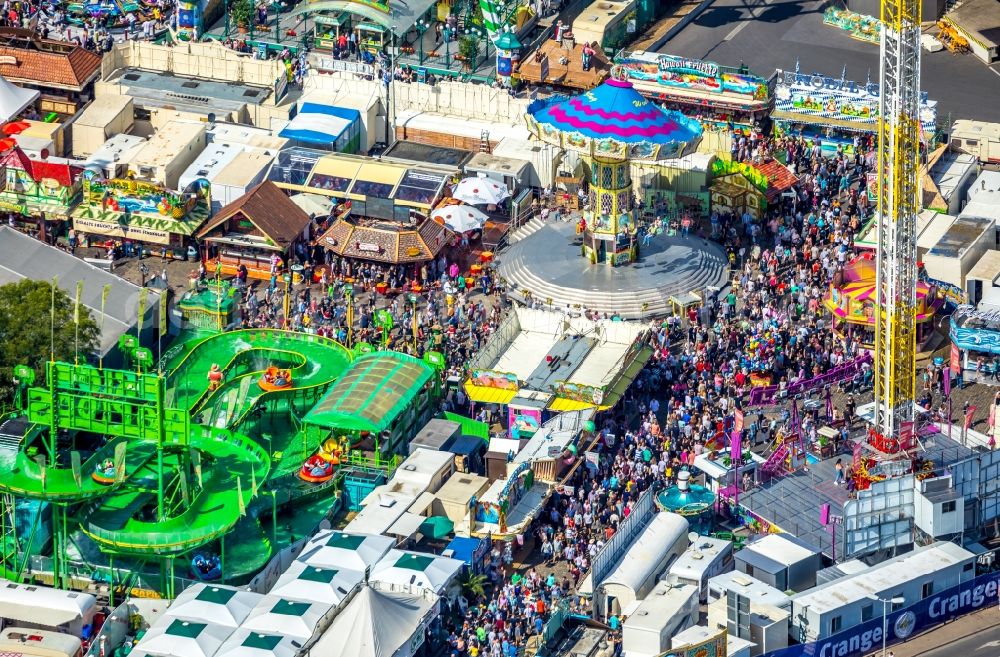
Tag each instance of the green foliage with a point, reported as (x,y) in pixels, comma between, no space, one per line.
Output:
(467,48)
(241,12)
(473,586)
(24,330)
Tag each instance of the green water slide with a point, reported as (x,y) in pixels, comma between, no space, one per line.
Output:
(232,463)
(233,467)
(23,476)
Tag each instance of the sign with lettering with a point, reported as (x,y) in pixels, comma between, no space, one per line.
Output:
(672,63)
(862,639)
(825,96)
(691,75)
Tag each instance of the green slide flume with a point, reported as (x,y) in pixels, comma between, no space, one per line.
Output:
(212,474)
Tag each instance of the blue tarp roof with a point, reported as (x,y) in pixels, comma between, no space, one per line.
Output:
(320,124)
(464,549)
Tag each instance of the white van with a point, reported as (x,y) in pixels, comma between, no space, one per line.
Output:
(705,558)
(978,138)
(45,608)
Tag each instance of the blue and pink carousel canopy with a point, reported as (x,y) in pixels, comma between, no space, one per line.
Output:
(613,120)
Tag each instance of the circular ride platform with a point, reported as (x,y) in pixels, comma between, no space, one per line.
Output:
(546,261)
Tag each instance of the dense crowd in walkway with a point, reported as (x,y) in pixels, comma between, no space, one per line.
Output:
(770,321)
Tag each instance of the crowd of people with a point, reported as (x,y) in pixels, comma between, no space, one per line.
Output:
(449,314)
(769,323)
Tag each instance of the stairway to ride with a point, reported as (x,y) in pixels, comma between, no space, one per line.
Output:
(773,465)
(12,432)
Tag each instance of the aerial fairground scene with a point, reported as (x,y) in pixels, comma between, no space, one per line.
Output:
(499,328)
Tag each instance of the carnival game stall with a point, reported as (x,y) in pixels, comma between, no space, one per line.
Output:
(851,299)
(142,216)
(858,26)
(835,110)
(725,100)
(738,189)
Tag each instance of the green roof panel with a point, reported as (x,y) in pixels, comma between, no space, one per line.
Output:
(215,595)
(186,629)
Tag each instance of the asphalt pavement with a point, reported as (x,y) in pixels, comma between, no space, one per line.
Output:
(771,34)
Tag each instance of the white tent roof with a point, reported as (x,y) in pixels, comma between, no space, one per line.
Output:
(221,605)
(181,638)
(377,623)
(346,550)
(403,571)
(309,583)
(13,99)
(274,615)
(244,643)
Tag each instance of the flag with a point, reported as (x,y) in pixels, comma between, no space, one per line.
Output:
(163,313)
(42,468)
(946,382)
(239,497)
(736,447)
(196,461)
(143,297)
(968,417)
(74,459)
(738,421)
(120,461)
(184,486)
(76,307)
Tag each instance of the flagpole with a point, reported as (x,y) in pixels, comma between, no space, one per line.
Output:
(76,322)
(163,329)
(52,320)
(104,300)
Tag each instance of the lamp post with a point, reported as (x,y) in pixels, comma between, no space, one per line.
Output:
(898,600)
(446,33)
(422,26)
(475,34)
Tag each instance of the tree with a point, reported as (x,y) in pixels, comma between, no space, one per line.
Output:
(25,322)
(468,49)
(473,586)
(241,11)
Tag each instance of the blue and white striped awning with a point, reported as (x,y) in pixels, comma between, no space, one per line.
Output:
(320,124)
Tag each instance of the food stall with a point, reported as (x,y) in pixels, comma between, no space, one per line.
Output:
(34,193)
(262,226)
(140,215)
(724,99)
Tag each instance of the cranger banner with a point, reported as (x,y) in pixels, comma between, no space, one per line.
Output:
(903,623)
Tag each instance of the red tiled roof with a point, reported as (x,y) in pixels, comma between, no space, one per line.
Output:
(779,178)
(62,173)
(46,62)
